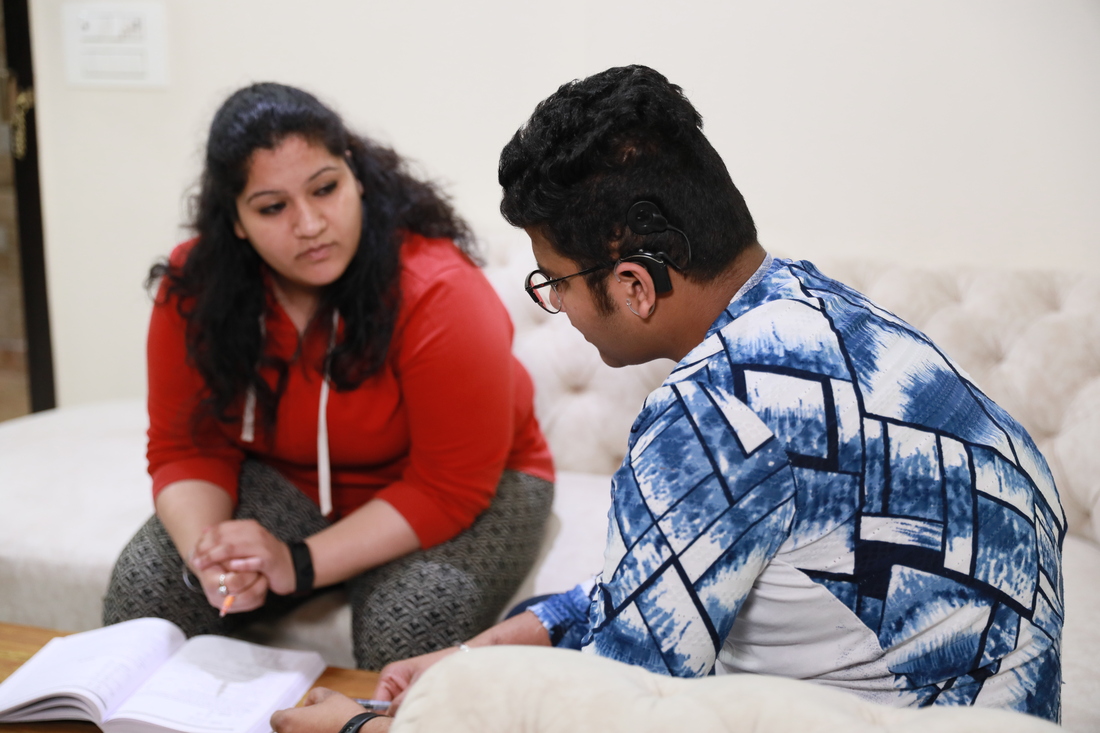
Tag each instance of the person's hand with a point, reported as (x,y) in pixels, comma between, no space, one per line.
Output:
(245,546)
(324,711)
(249,590)
(397,677)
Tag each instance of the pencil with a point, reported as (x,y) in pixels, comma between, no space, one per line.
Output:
(375,706)
(226,605)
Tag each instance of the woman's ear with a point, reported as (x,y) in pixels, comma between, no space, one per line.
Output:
(239,230)
(354,173)
(634,288)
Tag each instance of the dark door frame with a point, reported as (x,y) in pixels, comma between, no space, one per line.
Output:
(32,253)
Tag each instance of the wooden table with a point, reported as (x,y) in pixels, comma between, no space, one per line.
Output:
(19,643)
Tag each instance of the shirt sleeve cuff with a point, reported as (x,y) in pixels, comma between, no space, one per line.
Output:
(429,521)
(565,616)
(220,473)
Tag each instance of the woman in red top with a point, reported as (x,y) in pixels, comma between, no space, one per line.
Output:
(332,399)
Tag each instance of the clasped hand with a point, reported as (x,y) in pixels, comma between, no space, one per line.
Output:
(252,560)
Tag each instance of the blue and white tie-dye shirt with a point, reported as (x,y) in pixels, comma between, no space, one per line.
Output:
(817,491)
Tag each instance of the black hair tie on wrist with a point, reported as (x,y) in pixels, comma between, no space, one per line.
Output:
(303,567)
(353,725)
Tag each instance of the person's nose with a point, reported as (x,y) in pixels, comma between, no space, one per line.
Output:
(310,222)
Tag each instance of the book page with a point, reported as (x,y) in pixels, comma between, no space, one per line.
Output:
(96,670)
(219,684)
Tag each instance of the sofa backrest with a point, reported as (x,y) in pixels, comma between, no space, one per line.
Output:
(1029,339)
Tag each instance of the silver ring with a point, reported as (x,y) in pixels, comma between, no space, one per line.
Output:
(221,585)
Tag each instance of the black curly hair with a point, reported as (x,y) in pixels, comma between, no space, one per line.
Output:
(220,288)
(598,145)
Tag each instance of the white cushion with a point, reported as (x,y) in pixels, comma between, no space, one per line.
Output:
(1081,636)
(537,689)
(74,490)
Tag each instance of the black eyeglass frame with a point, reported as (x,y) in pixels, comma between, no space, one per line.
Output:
(551,282)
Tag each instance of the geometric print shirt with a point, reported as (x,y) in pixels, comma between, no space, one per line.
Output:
(817,491)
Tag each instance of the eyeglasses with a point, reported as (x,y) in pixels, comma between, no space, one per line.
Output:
(544,290)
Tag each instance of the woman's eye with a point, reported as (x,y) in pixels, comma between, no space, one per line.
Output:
(326,189)
(272,209)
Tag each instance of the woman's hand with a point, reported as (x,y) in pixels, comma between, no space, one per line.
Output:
(324,711)
(188,509)
(249,590)
(244,547)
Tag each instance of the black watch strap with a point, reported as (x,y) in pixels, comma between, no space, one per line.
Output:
(353,725)
(303,567)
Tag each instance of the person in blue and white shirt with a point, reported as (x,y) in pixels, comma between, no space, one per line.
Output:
(816,491)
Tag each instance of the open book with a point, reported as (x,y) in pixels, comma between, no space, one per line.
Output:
(144,676)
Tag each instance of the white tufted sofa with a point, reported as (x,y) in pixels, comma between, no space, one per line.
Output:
(73,486)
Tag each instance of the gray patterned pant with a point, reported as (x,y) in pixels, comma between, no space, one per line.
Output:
(416,604)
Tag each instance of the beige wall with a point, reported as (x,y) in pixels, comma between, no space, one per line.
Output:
(928,131)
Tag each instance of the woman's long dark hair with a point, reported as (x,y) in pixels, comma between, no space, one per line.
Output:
(220,286)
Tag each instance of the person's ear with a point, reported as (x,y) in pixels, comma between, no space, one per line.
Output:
(634,288)
(239,230)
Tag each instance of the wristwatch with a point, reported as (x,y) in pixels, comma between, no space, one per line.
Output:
(303,568)
(353,725)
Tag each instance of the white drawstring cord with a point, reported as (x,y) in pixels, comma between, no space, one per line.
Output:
(324,469)
(248,423)
(324,472)
(248,420)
